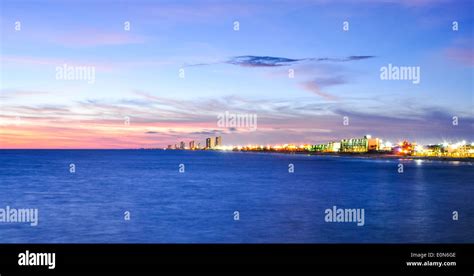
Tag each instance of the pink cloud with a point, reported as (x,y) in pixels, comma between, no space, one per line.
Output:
(108,66)
(461,55)
(50,61)
(313,87)
(93,37)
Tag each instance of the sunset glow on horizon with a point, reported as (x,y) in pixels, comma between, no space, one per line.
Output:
(148,75)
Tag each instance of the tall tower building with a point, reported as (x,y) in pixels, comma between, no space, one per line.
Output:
(218,141)
(191,145)
(209,143)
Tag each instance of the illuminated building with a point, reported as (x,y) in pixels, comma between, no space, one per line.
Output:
(386,147)
(434,150)
(405,148)
(373,144)
(365,144)
(328,147)
(209,143)
(456,150)
(218,141)
(354,145)
(334,146)
(320,147)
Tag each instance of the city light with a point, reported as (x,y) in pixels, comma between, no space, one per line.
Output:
(365,144)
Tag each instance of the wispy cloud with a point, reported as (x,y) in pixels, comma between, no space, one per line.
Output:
(209,132)
(261,61)
(100,123)
(316,85)
(269,61)
(15,93)
(99,64)
(463,56)
(52,62)
(202,11)
(95,37)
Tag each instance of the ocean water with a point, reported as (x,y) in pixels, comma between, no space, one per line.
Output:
(198,206)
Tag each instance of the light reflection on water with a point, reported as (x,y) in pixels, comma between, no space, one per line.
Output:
(198,206)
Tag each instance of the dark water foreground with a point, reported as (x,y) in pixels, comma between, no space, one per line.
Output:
(198,205)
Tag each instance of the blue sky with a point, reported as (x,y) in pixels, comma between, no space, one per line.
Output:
(337,72)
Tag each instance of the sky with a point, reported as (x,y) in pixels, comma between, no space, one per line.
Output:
(181,64)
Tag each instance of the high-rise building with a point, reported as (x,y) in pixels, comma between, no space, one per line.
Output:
(365,144)
(218,141)
(373,144)
(191,145)
(182,145)
(333,146)
(209,143)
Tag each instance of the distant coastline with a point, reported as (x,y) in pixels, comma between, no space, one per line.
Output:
(371,155)
(395,156)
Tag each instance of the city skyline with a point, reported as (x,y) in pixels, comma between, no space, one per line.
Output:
(161,73)
(365,144)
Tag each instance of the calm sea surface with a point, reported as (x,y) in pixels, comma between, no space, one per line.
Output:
(198,206)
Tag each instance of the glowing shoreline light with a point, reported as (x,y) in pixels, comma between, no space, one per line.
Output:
(367,144)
